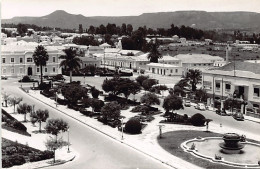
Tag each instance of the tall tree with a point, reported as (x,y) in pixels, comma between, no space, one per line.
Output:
(40,116)
(21,29)
(40,57)
(111,111)
(55,126)
(71,61)
(24,109)
(80,28)
(194,76)
(172,102)
(123,29)
(150,99)
(154,54)
(129,29)
(91,29)
(14,101)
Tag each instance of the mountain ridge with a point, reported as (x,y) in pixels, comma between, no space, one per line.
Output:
(198,19)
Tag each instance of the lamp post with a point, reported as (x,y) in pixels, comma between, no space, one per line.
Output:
(160,130)
(68,140)
(56,99)
(84,78)
(122,129)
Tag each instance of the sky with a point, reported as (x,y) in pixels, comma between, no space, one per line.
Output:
(12,8)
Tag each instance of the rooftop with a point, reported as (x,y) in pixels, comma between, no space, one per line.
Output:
(161,65)
(198,58)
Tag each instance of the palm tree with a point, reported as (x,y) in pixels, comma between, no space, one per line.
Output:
(154,54)
(40,116)
(40,57)
(71,61)
(194,76)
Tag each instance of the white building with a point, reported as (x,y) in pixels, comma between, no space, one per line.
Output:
(164,69)
(242,77)
(17,61)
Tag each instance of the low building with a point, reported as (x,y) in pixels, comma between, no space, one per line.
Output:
(9,40)
(17,61)
(164,69)
(90,60)
(105,45)
(242,78)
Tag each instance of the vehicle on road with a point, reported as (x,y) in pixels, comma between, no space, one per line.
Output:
(221,112)
(187,103)
(200,106)
(238,116)
(3,78)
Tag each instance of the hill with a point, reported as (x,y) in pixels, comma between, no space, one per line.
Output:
(197,19)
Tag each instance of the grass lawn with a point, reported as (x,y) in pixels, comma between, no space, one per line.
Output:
(171,142)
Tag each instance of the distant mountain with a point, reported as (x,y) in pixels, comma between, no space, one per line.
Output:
(197,19)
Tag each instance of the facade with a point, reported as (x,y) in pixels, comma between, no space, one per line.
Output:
(224,81)
(17,61)
(90,60)
(197,61)
(164,69)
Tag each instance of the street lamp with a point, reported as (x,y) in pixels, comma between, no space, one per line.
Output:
(56,99)
(68,140)
(122,129)
(84,78)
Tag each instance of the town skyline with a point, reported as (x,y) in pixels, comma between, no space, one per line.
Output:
(118,8)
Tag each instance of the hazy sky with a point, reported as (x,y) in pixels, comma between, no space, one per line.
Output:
(11,8)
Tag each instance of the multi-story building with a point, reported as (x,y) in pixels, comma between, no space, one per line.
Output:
(241,78)
(17,61)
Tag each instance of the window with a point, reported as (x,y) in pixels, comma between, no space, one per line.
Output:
(46,69)
(199,64)
(256,92)
(21,70)
(140,63)
(53,59)
(12,60)
(3,60)
(228,87)
(12,70)
(38,70)
(217,86)
(171,70)
(53,69)
(194,64)
(176,70)
(4,71)
(29,59)
(207,85)
(21,60)
(204,64)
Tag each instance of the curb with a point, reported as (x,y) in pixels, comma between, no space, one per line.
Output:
(59,163)
(120,141)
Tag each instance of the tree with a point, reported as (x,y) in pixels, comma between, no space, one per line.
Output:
(74,92)
(71,61)
(148,83)
(154,54)
(24,109)
(40,116)
(129,29)
(14,101)
(123,29)
(127,87)
(91,29)
(96,104)
(21,29)
(201,95)
(5,98)
(150,99)
(111,111)
(80,28)
(194,76)
(141,78)
(40,57)
(109,85)
(55,126)
(172,102)
(53,144)
(94,92)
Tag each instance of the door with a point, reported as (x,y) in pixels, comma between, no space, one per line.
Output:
(29,72)
(241,91)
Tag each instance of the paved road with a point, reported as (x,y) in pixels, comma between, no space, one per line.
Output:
(96,150)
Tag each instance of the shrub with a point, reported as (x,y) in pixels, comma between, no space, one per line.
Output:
(197,119)
(26,79)
(140,108)
(18,125)
(133,126)
(44,86)
(94,92)
(142,71)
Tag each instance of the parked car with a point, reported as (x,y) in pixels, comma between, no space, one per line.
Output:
(187,103)
(3,78)
(238,116)
(221,112)
(200,106)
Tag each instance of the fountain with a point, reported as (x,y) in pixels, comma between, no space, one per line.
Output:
(231,144)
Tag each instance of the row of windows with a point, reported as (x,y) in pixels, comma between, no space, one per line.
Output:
(21,70)
(209,64)
(21,60)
